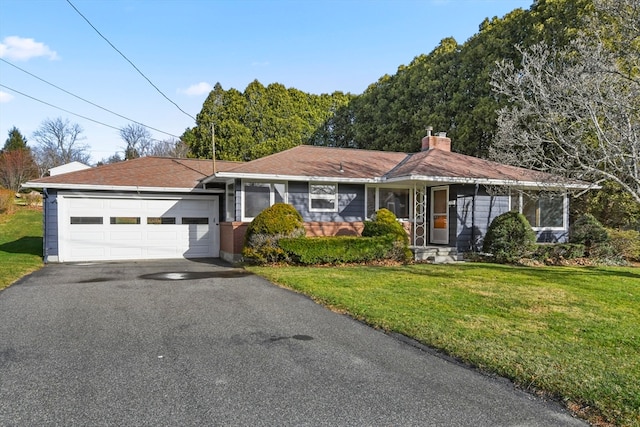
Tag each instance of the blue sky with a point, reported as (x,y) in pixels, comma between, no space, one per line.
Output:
(185,46)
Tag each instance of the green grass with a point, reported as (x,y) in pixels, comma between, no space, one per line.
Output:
(570,333)
(20,244)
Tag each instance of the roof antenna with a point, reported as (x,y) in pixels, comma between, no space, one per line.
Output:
(213,147)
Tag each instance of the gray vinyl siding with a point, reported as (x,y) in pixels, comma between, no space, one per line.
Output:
(50,225)
(350,203)
(475,214)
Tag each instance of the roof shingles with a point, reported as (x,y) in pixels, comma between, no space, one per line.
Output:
(142,172)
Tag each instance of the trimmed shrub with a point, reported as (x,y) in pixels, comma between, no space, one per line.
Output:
(272,224)
(588,231)
(339,249)
(384,223)
(509,237)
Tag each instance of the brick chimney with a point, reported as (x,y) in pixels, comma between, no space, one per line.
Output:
(438,142)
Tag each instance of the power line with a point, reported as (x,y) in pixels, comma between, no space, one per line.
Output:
(85,100)
(129,61)
(67,111)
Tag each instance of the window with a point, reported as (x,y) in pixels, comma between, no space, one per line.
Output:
(124,220)
(397,200)
(195,220)
(231,202)
(86,220)
(323,197)
(161,220)
(542,210)
(257,196)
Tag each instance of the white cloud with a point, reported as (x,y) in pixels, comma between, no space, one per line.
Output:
(197,89)
(5,97)
(23,49)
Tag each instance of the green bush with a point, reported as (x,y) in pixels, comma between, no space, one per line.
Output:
(384,223)
(588,231)
(626,243)
(509,237)
(341,249)
(272,224)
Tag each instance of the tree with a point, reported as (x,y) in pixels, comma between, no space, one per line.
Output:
(16,167)
(58,144)
(16,162)
(114,158)
(138,139)
(169,148)
(575,111)
(15,140)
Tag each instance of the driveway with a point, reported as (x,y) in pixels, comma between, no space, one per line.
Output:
(197,343)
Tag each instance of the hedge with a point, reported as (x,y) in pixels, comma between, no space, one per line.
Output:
(341,249)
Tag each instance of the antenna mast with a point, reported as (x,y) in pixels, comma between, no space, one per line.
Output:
(213,147)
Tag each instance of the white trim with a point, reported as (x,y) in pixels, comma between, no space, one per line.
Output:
(565,211)
(429,180)
(485,181)
(432,239)
(377,201)
(329,197)
(276,177)
(89,187)
(272,196)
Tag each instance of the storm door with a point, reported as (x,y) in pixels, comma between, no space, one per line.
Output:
(440,215)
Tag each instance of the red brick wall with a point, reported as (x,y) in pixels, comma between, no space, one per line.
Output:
(232,233)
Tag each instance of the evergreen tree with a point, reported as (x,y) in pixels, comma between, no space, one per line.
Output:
(15,141)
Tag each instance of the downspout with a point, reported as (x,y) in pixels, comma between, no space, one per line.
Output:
(45,252)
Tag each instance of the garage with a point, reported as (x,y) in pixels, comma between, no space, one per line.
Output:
(97,227)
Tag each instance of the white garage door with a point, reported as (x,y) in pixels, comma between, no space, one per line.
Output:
(95,228)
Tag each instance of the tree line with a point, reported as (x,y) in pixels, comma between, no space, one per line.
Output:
(554,88)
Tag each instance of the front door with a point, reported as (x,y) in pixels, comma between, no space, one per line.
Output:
(440,215)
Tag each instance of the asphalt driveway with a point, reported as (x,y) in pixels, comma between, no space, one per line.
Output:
(193,343)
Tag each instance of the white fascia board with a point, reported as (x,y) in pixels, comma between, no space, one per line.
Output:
(485,181)
(89,187)
(128,195)
(276,177)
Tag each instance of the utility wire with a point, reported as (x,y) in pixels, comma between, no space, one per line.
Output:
(85,100)
(129,61)
(67,111)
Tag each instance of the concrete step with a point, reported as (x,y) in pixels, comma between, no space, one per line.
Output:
(436,254)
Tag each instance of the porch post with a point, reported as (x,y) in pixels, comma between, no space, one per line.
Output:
(419,215)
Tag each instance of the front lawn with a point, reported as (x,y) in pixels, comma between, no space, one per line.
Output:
(20,244)
(570,333)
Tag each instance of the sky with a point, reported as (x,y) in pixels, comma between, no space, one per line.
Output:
(185,47)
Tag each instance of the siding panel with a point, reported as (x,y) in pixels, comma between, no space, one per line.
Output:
(350,203)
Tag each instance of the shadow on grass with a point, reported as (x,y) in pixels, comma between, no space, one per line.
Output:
(545,272)
(550,272)
(24,245)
